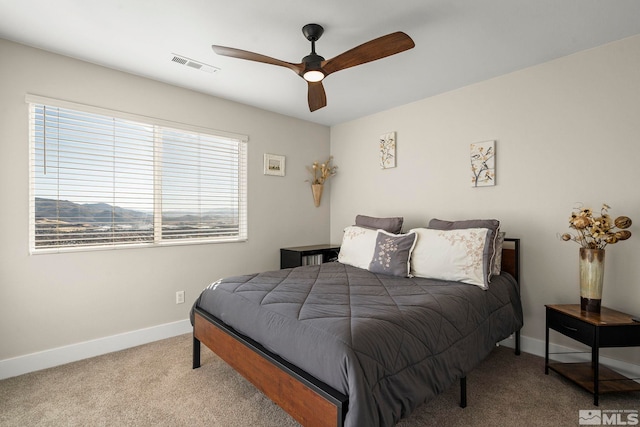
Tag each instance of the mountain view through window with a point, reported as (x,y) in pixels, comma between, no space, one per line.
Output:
(99,180)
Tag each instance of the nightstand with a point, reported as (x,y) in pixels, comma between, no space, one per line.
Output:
(609,328)
(307,255)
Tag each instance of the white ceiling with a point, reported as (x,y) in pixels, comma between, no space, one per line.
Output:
(458,42)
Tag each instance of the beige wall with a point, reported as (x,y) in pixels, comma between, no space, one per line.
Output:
(48,301)
(567,131)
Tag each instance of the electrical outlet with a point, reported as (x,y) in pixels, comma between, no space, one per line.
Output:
(179,297)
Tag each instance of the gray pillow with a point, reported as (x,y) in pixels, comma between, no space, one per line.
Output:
(392,253)
(490,248)
(391,224)
(497,262)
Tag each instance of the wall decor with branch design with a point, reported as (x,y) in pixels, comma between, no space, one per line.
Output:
(483,164)
(388,150)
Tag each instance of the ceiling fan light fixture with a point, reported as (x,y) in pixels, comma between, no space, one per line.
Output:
(314,68)
(313,76)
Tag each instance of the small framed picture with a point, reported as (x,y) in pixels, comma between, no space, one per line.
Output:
(483,164)
(274,165)
(388,150)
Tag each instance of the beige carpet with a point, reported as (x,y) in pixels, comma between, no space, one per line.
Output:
(154,385)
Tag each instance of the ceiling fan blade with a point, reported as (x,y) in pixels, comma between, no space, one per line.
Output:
(370,51)
(316,96)
(251,56)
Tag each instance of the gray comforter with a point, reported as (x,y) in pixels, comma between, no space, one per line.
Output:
(389,343)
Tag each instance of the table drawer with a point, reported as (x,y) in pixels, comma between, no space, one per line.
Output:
(620,336)
(571,327)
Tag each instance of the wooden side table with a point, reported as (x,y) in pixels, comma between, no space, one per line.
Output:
(294,257)
(609,328)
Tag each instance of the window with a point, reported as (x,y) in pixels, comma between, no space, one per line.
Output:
(106,179)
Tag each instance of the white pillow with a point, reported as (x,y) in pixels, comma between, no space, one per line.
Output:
(357,247)
(456,255)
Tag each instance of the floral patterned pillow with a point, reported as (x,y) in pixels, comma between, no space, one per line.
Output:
(357,246)
(392,253)
(455,255)
(493,225)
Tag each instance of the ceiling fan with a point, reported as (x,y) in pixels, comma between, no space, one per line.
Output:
(314,68)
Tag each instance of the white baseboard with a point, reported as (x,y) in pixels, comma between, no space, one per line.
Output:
(71,353)
(580,354)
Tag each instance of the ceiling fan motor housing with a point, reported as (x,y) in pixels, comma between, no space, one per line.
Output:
(313,59)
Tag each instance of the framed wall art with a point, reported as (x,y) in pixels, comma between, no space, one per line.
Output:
(388,150)
(483,164)
(274,165)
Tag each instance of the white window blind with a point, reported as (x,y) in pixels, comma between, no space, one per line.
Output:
(107,180)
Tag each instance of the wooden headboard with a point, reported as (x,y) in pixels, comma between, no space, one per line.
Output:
(511,257)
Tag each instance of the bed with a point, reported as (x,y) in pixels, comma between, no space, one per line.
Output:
(335,344)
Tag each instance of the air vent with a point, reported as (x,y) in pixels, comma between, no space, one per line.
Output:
(179,60)
(183,60)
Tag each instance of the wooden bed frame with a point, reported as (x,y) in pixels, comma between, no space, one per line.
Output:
(309,401)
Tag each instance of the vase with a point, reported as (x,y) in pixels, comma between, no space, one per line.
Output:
(316,189)
(591,277)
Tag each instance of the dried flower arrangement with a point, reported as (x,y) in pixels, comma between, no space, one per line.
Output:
(322,172)
(597,232)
